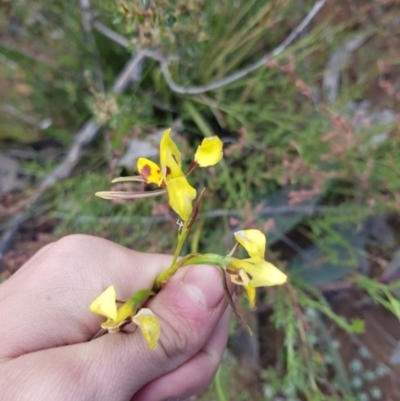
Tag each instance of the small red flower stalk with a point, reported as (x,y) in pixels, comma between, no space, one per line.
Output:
(249,273)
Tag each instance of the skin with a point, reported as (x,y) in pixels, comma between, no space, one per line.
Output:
(46,324)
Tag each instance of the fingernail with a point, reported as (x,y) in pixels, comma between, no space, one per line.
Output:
(204,284)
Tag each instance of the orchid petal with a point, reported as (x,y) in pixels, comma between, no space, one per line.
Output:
(251,295)
(149,325)
(181,195)
(209,152)
(170,157)
(240,277)
(105,304)
(149,171)
(262,273)
(253,241)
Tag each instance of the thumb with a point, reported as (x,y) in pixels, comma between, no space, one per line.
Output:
(116,366)
(188,308)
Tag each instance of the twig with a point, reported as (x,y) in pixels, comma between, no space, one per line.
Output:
(87,19)
(110,34)
(196,90)
(337,61)
(43,124)
(82,138)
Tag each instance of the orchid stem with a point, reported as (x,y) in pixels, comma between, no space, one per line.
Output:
(166,274)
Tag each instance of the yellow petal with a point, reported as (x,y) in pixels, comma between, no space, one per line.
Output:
(181,195)
(262,273)
(240,277)
(170,156)
(251,295)
(209,152)
(105,304)
(149,171)
(149,325)
(253,241)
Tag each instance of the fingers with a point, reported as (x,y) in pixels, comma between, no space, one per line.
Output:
(194,375)
(47,303)
(188,307)
(117,365)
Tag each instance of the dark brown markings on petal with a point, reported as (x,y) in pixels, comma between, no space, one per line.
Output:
(176,160)
(244,272)
(145,172)
(168,171)
(238,278)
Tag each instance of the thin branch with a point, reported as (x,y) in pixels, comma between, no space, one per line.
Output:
(82,138)
(110,34)
(43,124)
(337,62)
(195,90)
(87,20)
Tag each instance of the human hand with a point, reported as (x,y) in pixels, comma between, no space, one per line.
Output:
(46,325)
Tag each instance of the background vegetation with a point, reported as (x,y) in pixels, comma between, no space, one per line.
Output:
(311,158)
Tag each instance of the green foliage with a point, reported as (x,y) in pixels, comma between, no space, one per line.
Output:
(382,293)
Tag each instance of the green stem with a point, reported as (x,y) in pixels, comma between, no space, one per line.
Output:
(181,240)
(205,259)
(166,274)
(195,259)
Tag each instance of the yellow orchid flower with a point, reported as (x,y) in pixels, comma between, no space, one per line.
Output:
(170,176)
(254,271)
(105,305)
(209,152)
